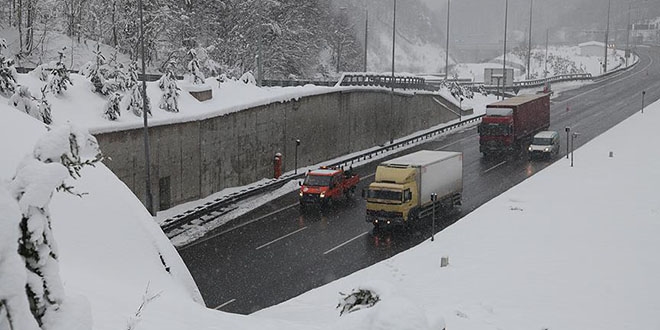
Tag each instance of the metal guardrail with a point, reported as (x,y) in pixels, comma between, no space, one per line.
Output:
(289,83)
(225,201)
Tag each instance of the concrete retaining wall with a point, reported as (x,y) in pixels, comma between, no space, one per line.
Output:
(193,160)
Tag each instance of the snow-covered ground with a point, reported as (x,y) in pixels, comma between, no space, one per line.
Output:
(569,248)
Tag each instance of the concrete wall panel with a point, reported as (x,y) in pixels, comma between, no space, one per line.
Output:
(204,157)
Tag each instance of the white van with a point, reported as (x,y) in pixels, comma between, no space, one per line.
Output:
(544,144)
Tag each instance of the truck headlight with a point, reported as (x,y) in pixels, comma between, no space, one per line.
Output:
(546,149)
(322,195)
(530,148)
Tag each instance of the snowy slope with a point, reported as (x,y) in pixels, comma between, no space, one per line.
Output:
(110,248)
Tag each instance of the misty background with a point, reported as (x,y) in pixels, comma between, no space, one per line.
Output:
(315,39)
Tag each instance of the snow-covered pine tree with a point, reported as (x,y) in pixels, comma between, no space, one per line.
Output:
(167,83)
(7,71)
(248,78)
(60,153)
(134,104)
(14,306)
(44,107)
(113,108)
(133,79)
(195,74)
(93,71)
(59,76)
(23,100)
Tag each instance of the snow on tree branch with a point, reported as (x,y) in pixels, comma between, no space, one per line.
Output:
(61,153)
(8,73)
(167,83)
(40,109)
(147,297)
(14,306)
(59,76)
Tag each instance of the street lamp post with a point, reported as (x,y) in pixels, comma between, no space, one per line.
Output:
(529,46)
(568,132)
(506,17)
(147,157)
(295,165)
(643,94)
(607,34)
(627,53)
(391,128)
(434,198)
(447,47)
(573,136)
(366,38)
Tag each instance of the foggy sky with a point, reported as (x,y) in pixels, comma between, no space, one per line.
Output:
(483,20)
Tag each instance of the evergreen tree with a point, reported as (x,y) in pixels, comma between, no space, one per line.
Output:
(40,109)
(44,107)
(170,99)
(106,76)
(135,101)
(113,108)
(132,76)
(195,74)
(61,149)
(59,76)
(7,71)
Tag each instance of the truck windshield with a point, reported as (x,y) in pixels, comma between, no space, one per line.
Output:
(388,195)
(494,129)
(542,141)
(317,180)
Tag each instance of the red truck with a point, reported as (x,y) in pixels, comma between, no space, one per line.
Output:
(326,185)
(509,123)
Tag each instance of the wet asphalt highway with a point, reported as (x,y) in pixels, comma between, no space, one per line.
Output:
(277,252)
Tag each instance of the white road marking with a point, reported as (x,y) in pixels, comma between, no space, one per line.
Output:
(342,244)
(240,226)
(281,238)
(494,167)
(225,304)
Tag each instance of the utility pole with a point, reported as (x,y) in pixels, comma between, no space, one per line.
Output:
(506,13)
(366,39)
(529,46)
(447,47)
(628,34)
(545,71)
(392,81)
(147,157)
(607,34)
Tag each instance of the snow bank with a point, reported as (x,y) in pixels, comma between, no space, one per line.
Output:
(110,250)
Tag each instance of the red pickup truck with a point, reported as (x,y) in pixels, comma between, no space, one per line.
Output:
(326,185)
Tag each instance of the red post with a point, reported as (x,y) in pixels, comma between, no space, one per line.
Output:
(277,165)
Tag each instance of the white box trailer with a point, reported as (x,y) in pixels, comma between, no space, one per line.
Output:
(403,186)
